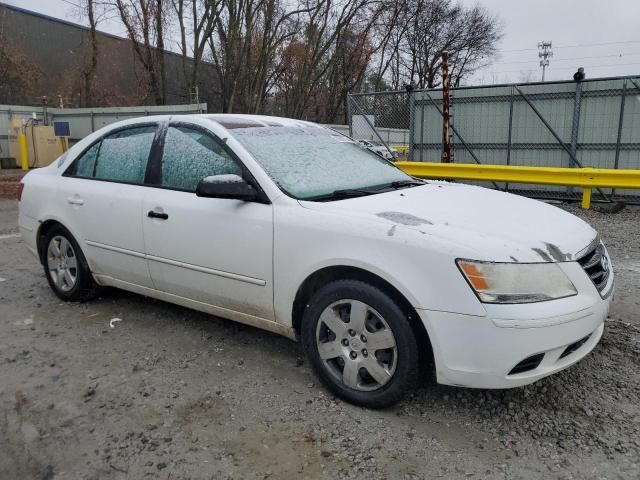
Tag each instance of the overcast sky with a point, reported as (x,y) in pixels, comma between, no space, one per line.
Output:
(603,36)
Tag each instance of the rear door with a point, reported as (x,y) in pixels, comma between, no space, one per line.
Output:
(103,192)
(215,251)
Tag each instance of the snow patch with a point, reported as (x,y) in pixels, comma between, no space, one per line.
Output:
(223,179)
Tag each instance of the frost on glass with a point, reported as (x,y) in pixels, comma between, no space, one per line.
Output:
(312,161)
(86,163)
(123,155)
(189,156)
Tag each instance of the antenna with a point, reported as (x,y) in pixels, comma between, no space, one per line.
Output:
(544,53)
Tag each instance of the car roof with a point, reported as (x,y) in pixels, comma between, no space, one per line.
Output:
(228,121)
(233,120)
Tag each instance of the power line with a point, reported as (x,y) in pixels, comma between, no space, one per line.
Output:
(71,3)
(571,59)
(571,68)
(577,46)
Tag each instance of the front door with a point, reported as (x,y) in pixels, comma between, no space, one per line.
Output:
(215,251)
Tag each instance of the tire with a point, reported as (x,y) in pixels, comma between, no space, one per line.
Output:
(65,266)
(371,359)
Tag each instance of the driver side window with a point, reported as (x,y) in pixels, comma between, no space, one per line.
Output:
(191,155)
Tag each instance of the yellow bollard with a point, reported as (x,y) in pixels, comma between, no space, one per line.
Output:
(22,141)
(586,198)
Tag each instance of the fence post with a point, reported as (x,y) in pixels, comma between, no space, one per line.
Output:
(411,104)
(349,99)
(575,125)
(422,149)
(620,123)
(506,185)
(586,198)
(446,145)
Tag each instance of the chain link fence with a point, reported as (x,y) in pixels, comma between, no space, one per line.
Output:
(593,123)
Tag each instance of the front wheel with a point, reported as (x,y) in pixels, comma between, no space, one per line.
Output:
(360,343)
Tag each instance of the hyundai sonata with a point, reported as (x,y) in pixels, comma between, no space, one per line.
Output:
(291,227)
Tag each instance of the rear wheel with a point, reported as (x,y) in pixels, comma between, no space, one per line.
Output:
(360,343)
(65,266)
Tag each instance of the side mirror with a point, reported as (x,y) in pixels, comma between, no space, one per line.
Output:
(226,186)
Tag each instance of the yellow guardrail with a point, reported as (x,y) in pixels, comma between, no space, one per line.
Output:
(585,178)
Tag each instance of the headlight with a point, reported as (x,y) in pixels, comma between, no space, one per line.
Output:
(516,282)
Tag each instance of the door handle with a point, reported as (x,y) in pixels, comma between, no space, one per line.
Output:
(161,216)
(75,200)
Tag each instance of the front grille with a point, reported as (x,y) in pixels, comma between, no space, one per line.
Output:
(573,347)
(596,264)
(529,363)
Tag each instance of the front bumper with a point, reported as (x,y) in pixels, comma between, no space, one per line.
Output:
(481,351)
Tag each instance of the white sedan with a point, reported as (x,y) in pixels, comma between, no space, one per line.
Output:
(293,228)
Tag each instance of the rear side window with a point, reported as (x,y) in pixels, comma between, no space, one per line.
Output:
(86,164)
(120,157)
(190,155)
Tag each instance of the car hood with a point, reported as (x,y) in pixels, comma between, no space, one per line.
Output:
(496,226)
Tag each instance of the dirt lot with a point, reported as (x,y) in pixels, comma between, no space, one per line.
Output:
(171,393)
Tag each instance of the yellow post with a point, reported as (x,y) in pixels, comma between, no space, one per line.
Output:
(22,141)
(586,198)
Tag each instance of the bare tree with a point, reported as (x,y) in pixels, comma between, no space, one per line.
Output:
(17,74)
(145,24)
(300,58)
(334,34)
(243,47)
(394,22)
(424,29)
(94,11)
(197,18)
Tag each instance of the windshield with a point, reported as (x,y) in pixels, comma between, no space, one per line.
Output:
(308,162)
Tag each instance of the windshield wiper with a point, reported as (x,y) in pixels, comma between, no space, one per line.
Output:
(405,183)
(344,193)
(361,192)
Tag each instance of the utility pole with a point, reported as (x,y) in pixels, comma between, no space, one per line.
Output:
(544,53)
(446,145)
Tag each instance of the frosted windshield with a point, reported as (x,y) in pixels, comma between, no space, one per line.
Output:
(311,161)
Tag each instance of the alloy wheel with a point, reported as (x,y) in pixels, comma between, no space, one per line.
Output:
(356,345)
(62,263)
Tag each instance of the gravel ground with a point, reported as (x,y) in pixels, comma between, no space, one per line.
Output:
(172,393)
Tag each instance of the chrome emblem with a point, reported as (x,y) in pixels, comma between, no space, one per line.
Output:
(604,263)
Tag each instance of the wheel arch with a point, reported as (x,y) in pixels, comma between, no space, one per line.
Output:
(326,275)
(44,227)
